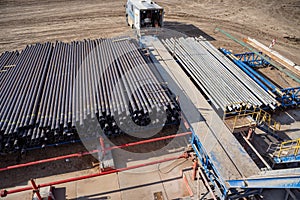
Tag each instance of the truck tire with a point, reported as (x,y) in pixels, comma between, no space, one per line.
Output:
(127,20)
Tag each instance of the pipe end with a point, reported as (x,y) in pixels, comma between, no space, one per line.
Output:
(3,193)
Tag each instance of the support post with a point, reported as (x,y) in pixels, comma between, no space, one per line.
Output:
(195,166)
(103,150)
(250,131)
(35,189)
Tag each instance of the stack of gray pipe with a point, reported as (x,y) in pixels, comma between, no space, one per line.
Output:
(20,92)
(219,78)
(127,92)
(48,91)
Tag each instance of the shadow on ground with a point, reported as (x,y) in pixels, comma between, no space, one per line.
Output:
(188,29)
(20,176)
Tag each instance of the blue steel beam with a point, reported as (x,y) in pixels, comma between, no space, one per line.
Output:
(287,159)
(209,168)
(284,70)
(263,82)
(275,182)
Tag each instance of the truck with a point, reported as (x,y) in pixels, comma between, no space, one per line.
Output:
(143,14)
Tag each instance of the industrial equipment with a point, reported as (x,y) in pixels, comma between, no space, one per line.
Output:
(285,152)
(289,73)
(287,97)
(143,14)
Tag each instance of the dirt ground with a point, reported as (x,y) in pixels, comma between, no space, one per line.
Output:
(32,21)
(21,176)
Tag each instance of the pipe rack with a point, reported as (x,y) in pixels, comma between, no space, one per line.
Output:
(53,90)
(216,75)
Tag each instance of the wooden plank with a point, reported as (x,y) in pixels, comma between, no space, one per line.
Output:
(269,53)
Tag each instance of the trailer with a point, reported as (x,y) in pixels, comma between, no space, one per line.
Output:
(143,14)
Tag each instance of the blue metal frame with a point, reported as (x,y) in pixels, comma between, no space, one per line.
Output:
(234,189)
(252,60)
(291,96)
(220,185)
(287,159)
(209,169)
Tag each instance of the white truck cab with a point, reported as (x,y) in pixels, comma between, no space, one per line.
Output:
(143,14)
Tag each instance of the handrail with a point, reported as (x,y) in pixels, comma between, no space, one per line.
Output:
(293,144)
(257,114)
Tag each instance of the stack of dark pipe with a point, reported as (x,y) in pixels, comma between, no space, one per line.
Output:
(21,89)
(50,91)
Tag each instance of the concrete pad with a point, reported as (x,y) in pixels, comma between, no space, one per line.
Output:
(170,190)
(174,168)
(71,188)
(143,186)
(106,186)
(144,193)
(175,189)
(132,179)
